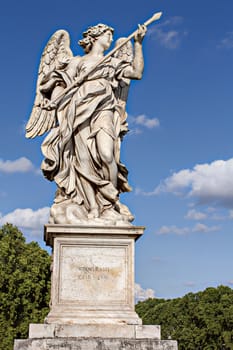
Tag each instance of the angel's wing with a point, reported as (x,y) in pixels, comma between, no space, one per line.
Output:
(125,53)
(56,55)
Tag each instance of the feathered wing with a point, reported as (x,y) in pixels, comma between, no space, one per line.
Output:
(56,55)
(125,57)
(125,54)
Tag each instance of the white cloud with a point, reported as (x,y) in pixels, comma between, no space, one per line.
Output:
(156,259)
(135,131)
(142,294)
(208,183)
(165,230)
(204,228)
(139,191)
(143,120)
(20,165)
(175,20)
(173,229)
(170,39)
(167,36)
(219,217)
(211,210)
(215,214)
(193,214)
(227,42)
(27,219)
(189,284)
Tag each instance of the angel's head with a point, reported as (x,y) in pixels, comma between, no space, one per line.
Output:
(92,34)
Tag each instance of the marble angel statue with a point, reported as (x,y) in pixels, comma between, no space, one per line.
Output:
(85,124)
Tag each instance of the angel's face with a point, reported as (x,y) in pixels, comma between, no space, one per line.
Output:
(105,39)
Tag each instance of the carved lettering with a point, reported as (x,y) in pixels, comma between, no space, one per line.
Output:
(93,269)
(93,273)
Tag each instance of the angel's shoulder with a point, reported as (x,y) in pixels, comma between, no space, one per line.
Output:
(77,58)
(75,61)
(115,61)
(118,64)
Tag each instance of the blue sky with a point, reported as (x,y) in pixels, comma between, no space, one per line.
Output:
(180,148)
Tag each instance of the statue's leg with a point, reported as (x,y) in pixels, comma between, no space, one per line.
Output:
(93,210)
(105,145)
(83,156)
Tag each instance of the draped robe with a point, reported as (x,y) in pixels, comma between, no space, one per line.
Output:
(71,150)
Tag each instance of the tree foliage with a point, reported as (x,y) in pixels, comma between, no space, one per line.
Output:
(200,321)
(24,285)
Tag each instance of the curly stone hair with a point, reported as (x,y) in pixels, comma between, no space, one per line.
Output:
(91,34)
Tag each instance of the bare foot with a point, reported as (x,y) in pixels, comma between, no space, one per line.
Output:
(93,213)
(124,210)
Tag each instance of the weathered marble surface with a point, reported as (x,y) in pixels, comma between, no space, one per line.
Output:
(81,102)
(94,330)
(95,344)
(92,274)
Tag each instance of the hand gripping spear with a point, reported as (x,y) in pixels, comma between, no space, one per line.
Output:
(53,103)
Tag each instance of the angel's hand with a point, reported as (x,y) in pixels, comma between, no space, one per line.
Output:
(76,82)
(79,80)
(141,32)
(46,104)
(62,61)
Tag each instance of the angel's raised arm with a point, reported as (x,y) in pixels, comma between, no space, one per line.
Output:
(136,69)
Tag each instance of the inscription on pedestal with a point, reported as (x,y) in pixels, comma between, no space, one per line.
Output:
(94,273)
(91,274)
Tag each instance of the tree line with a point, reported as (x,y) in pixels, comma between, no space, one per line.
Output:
(199,321)
(24,285)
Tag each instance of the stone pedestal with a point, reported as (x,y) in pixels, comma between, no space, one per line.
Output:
(92,274)
(95,344)
(92,295)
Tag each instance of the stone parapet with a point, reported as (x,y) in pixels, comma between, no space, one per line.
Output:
(94,330)
(95,344)
(92,294)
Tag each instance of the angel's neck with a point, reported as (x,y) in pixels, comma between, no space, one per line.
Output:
(97,50)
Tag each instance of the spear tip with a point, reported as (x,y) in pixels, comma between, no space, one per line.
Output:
(155,17)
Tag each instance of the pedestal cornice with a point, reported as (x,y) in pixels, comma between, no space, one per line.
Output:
(51,231)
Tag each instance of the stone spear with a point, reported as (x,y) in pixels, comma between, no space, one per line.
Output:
(53,103)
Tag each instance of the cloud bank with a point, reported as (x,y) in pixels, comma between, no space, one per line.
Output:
(142,294)
(143,120)
(27,219)
(20,165)
(227,41)
(193,214)
(166,35)
(181,231)
(207,183)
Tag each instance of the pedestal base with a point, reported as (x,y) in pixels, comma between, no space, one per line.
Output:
(92,274)
(95,344)
(92,296)
(93,330)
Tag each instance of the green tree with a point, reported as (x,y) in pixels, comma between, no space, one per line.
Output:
(24,285)
(200,321)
